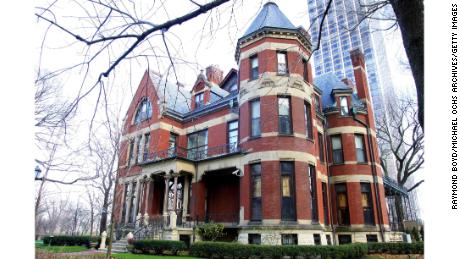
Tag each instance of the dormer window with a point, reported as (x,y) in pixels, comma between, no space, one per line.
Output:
(144,111)
(343,106)
(282,63)
(199,100)
(233,88)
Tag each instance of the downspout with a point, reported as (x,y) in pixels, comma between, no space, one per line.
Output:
(329,177)
(374,173)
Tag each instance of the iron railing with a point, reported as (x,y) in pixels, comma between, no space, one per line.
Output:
(194,154)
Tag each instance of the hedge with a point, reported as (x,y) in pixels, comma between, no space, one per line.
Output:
(396,248)
(157,247)
(236,250)
(70,240)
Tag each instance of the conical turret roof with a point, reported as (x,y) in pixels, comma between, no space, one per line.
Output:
(270,16)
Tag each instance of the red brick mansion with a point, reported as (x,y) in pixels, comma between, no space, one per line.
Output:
(275,155)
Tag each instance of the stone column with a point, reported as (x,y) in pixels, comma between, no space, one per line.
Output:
(185,198)
(146,200)
(166,199)
(128,204)
(175,194)
(136,200)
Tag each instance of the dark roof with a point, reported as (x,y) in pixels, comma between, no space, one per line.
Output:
(328,83)
(270,16)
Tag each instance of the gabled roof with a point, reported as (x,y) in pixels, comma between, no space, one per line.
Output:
(270,16)
(174,97)
(328,83)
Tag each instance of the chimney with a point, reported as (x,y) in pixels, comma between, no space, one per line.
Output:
(359,68)
(214,74)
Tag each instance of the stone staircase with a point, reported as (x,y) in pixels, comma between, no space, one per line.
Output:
(118,246)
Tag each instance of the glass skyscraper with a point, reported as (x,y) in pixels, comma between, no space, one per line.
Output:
(342,31)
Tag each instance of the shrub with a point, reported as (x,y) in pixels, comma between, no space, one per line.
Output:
(396,248)
(236,250)
(158,246)
(211,231)
(72,240)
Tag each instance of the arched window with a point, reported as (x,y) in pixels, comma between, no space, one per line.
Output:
(144,111)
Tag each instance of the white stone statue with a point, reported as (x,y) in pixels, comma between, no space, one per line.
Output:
(103,238)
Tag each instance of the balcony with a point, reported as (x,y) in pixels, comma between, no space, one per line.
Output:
(193,154)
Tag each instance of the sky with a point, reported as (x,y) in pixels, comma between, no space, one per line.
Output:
(199,45)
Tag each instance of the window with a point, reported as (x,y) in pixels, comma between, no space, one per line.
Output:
(321,147)
(256,192)
(199,100)
(343,105)
(288,239)
(343,216)
(325,206)
(308,121)
(139,149)
(371,238)
(337,152)
(344,239)
(305,69)
(314,202)
(317,104)
(254,239)
(144,111)
(146,146)
(197,145)
(232,136)
(328,240)
(131,152)
(366,202)
(284,115)
(317,239)
(287,191)
(255,118)
(360,149)
(282,62)
(172,144)
(254,71)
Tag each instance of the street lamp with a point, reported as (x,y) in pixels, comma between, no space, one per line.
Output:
(38,171)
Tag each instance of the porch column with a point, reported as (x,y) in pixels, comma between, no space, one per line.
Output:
(165,199)
(175,194)
(185,198)
(128,203)
(136,200)
(148,181)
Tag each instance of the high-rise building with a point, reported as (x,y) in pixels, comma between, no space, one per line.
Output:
(345,29)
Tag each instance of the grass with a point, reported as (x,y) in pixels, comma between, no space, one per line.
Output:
(60,249)
(139,256)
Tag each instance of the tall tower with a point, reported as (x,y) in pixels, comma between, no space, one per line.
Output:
(343,31)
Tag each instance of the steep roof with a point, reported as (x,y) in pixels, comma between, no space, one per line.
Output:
(176,98)
(270,16)
(328,83)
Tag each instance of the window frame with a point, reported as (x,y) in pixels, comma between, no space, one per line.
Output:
(146,147)
(288,203)
(257,236)
(284,237)
(308,120)
(285,55)
(313,193)
(253,120)
(256,200)
(321,147)
(343,213)
(139,154)
(200,102)
(325,203)
(288,117)
(192,151)
(234,147)
(342,158)
(343,103)
(362,150)
(131,151)
(368,212)
(305,69)
(139,115)
(317,239)
(253,71)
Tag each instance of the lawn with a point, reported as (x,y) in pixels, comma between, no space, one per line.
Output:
(136,256)
(60,249)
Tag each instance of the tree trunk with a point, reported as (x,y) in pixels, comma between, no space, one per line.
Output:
(409,14)
(105,208)
(399,204)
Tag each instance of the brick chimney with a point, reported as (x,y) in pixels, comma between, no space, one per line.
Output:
(214,74)
(359,68)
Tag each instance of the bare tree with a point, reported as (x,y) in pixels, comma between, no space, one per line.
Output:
(401,135)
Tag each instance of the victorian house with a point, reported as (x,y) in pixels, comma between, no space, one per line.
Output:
(276,156)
